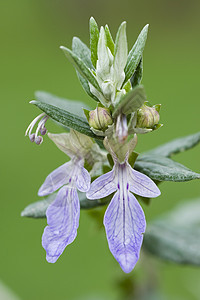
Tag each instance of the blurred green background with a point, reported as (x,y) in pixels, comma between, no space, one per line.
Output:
(31,32)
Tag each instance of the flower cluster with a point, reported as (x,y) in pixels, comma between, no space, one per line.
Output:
(111,77)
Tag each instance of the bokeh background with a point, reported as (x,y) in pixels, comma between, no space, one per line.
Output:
(31,32)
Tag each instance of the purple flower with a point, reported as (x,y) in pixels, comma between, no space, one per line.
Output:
(63,214)
(124,218)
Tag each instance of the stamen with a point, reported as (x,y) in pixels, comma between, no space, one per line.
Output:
(32,124)
(39,140)
(32,137)
(43,130)
(41,125)
(40,128)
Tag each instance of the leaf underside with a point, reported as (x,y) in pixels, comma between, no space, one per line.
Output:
(176,236)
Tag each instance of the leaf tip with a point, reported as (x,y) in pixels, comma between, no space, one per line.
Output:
(33,102)
(146,27)
(92,19)
(23,213)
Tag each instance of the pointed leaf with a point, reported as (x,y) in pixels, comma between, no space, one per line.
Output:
(164,169)
(94,37)
(176,236)
(131,101)
(66,118)
(76,107)
(137,75)
(135,54)
(83,52)
(38,209)
(110,42)
(81,67)
(177,145)
(120,56)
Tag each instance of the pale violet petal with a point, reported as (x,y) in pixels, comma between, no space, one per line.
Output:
(56,179)
(63,219)
(125,224)
(142,185)
(102,186)
(83,180)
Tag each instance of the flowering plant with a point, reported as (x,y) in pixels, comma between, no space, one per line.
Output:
(101,146)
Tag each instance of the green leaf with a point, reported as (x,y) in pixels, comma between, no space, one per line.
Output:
(66,118)
(131,101)
(176,146)
(121,53)
(81,67)
(83,52)
(75,107)
(110,42)
(164,169)
(94,37)
(38,208)
(135,54)
(137,75)
(176,236)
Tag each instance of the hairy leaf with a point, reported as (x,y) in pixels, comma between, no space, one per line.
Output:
(83,52)
(164,169)
(137,75)
(66,118)
(38,208)
(131,101)
(81,67)
(176,236)
(110,42)
(176,146)
(94,37)
(75,107)
(135,54)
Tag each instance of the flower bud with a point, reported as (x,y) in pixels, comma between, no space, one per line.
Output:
(100,118)
(147,117)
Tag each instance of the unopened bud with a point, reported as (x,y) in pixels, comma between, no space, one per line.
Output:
(100,118)
(38,140)
(147,117)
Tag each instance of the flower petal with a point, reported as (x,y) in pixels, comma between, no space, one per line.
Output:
(142,185)
(83,180)
(102,186)
(125,224)
(56,179)
(63,219)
